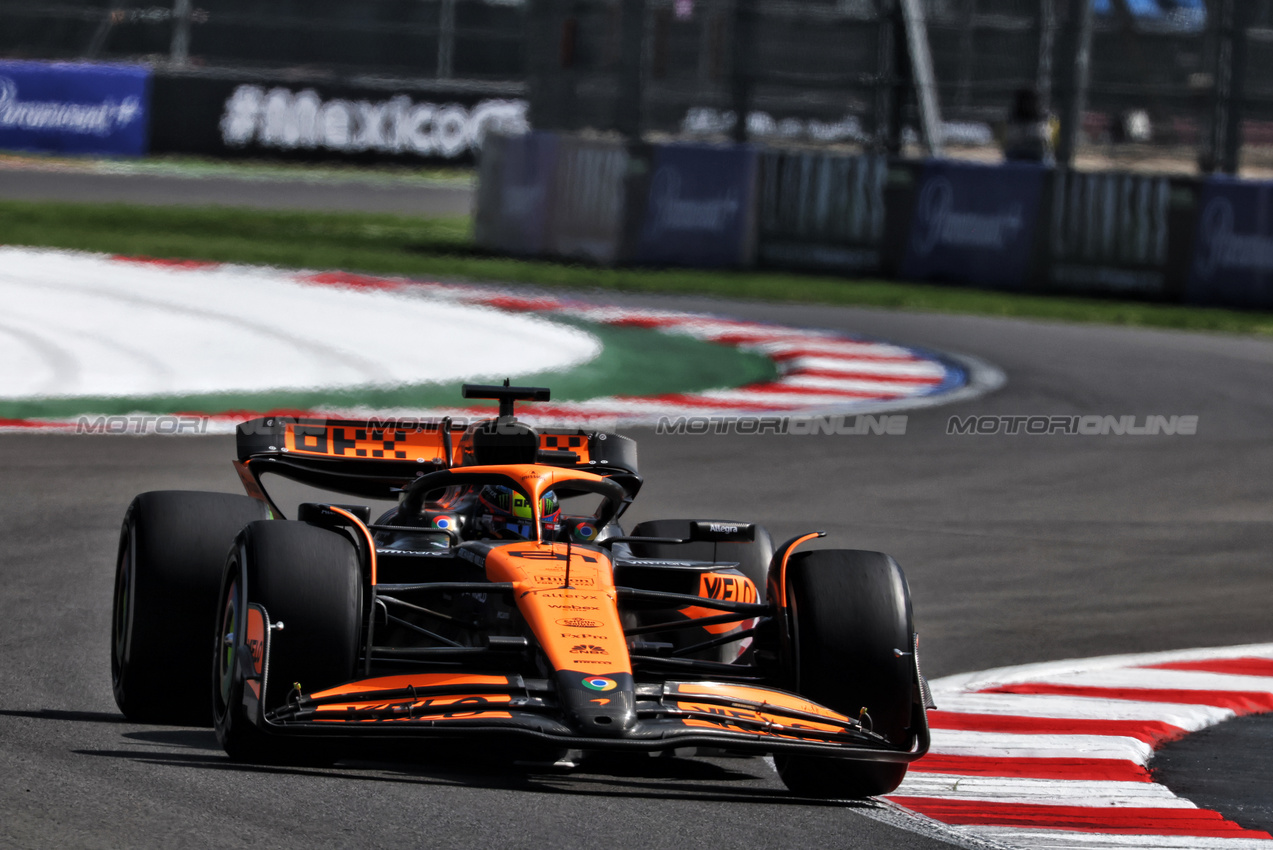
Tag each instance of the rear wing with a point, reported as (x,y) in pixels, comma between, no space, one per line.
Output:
(375,459)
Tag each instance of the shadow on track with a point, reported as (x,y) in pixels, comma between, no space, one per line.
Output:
(651,778)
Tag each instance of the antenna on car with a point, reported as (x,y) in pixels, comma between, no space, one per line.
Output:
(506,395)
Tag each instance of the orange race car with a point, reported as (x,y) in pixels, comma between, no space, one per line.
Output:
(479,610)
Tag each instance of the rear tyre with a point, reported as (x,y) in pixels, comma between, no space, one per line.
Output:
(308,579)
(171,554)
(849,611)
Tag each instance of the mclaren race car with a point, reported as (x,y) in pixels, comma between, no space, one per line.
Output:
(483,611)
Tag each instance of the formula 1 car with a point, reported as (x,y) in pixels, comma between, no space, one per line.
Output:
(479,613)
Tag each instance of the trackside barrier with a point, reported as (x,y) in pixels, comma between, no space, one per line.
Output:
(588,201)
(1117,234)
(215,116)
(974,224)
(822,211)
(515,177)
(1232,262)
(74,108)
(700,206)
(1015,227)
(607,202)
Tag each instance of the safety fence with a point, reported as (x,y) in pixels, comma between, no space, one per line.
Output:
(1013,227)
(469,40)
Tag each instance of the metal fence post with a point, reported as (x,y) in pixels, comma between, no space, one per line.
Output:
(1075,90)
(1237,37)
(180,53)
(921,61)
(740,75)
(446,39)
(1047,44)
(629,114)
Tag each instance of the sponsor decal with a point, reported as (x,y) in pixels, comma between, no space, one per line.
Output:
(600,683)
(726,587)
(585,636)
(579,623)
(575,580)
(720,528)
(585,532)
(701,121)
(588,649)
(938,223)
(443,522)
(256,638)
(974,222)
(655,562)
(551,556)
(83,119)
(672,210)
(1222,249)
(570,607)
(286,120)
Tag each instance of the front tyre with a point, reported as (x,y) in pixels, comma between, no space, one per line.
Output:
(850,617)
(171,554)
(307,579)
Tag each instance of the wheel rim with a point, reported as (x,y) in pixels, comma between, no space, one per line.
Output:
(226,640)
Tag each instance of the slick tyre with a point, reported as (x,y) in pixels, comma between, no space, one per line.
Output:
(171,555)
(308,582)
(850,611)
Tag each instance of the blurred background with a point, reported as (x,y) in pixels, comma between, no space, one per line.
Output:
(1166,84)
(1050,146)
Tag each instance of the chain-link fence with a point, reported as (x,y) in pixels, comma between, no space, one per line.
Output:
(1169,83)
(1161,73)
(475,40)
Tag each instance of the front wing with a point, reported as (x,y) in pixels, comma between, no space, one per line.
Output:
(669,715)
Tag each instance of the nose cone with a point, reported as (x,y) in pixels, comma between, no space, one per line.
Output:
(602,706)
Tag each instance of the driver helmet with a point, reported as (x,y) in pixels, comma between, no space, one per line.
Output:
(504,513)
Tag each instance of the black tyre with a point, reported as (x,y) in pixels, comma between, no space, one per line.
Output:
(850,616)
(171,555)
(308,579)
(753,558)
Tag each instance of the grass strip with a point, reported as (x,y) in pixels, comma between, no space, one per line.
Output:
(443,248)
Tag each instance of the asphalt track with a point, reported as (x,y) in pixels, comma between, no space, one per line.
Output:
(1018,549)
(332,193)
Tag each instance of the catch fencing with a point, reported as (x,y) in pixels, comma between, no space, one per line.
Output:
(1015,227)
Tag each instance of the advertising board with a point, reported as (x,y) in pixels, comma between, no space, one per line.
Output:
(1233,246)
(974,223)
(219,117)
(699,207)
(74,108)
